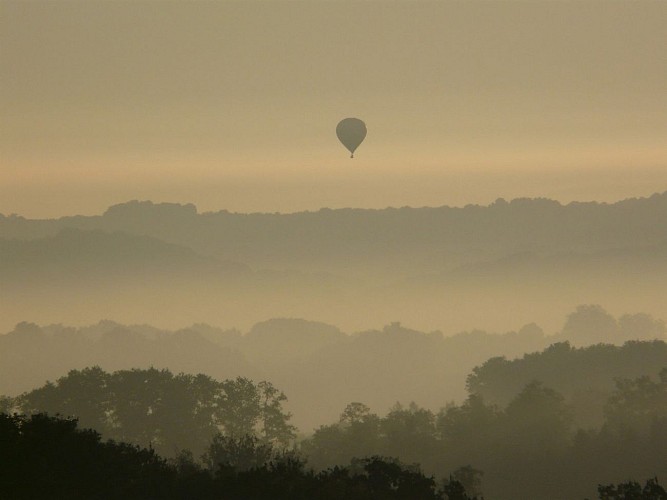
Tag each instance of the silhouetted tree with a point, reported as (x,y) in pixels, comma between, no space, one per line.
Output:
(454,490)
(389,478)
(82,393)
(570,371)
(46,457)
(409,432)
(590,324)
(274,426)
(470,478)
(638,404)
(168,412)
(470,427)
(356,434)
(237,454)
(641,326)
(632,490)
(6,404)
(538,420)
(355,413)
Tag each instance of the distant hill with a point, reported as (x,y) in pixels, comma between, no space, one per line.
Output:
(283,340)
(78,276)
(412,239)
(529,268)
(493,267)
(74,254)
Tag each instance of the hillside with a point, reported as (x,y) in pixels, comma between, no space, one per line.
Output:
(440,237)
(499,266)
(74,254)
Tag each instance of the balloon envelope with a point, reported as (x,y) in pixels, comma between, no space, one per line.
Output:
(351,132)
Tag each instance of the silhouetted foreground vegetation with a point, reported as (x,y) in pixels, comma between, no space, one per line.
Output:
(45,457)
(48,457)
(632,490)
(530,448)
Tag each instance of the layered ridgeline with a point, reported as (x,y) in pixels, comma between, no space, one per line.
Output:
(442,237)
(322,368)
(436,268)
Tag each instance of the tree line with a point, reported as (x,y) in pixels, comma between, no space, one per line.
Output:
(527,449)
(530,447)
(322,368)
(164,411)
(50,457)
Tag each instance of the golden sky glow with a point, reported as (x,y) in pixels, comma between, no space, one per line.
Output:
(234,105)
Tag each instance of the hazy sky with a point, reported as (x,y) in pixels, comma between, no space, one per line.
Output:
(234,105)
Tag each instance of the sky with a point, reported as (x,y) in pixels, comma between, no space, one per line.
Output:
(234,105)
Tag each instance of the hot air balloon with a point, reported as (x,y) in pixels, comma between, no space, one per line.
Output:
(351,132)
